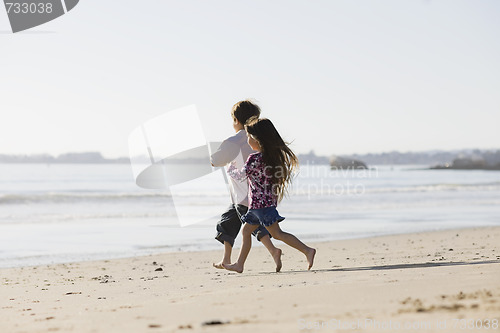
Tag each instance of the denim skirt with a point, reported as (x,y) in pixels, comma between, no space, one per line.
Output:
(263,216)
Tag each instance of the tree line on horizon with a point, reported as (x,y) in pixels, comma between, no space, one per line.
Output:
(431,158)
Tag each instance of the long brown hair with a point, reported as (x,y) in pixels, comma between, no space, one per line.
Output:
(275,152)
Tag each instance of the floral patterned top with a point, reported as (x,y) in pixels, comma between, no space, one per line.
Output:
(260,189)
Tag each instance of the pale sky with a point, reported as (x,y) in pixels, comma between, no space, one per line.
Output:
(339,77)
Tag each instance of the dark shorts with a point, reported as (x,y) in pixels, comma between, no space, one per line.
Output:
(263,216)
(230,224)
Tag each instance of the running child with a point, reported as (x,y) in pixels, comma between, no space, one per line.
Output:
(236,149)
(269,172)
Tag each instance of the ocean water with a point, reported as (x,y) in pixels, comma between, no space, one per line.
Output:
(73,212)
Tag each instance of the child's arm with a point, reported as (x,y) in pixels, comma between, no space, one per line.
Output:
(226,153)
(236,174)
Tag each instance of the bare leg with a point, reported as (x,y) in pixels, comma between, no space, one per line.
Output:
(246,245)
(293,241)
(273,250)
(226,258)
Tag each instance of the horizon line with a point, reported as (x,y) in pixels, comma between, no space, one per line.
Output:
(303,153)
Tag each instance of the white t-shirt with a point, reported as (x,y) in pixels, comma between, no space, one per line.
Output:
(237,149)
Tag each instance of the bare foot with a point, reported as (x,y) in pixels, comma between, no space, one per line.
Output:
(277,259)
(233,267)
(220,265)
(310,257)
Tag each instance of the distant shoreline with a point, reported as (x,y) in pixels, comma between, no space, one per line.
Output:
(490,159)
(487,168)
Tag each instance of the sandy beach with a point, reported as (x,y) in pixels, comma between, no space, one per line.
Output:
(443,281)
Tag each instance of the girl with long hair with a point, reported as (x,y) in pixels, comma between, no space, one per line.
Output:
(269,172)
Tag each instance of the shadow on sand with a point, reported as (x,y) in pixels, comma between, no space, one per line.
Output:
(395,266)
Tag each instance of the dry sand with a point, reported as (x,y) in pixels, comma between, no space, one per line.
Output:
(425,282)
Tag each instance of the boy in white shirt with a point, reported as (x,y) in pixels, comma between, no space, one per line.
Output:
(236,149)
